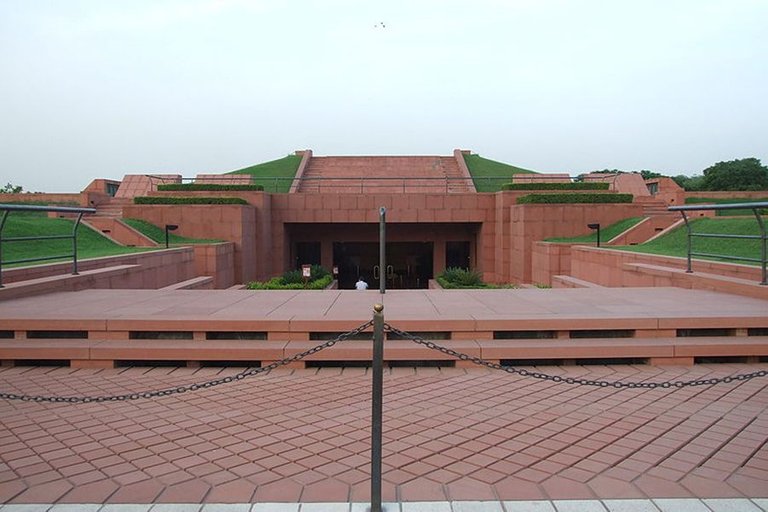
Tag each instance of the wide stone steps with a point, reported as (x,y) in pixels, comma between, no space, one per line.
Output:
(384,175)
(108,353)
(639,325)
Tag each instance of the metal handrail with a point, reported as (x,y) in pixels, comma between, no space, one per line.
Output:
(7,208)
(763,236)
(363,181)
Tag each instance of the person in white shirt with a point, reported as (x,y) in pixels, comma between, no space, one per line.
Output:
(361,284)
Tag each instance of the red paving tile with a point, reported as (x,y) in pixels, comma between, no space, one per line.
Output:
(449,435)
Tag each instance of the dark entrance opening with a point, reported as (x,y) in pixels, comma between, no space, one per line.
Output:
(409,264)
(457,255)
(307,253)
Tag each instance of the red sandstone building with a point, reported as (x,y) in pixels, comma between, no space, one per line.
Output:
(435,219)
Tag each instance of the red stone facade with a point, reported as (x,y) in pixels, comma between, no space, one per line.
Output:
(434,219)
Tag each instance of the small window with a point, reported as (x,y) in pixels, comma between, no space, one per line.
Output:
(686,333)
(47,335)
(524,335)
(603,333)
(160,335)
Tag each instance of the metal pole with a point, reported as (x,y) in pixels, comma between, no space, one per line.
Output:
(167,237)
(688,228)
(2,225)
(598,235)
(382,250)
(74,243)
(763,245)
(377,401)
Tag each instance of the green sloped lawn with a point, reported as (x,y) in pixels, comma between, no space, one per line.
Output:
(89,243)
(606,233)
(674,243)
(490,175)
(158,234)
(264,174)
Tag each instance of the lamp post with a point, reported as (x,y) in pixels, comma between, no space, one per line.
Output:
(595,225)
(382,250)
(168,229)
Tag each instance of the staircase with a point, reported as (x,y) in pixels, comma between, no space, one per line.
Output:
(656,208)
(393,175)
(112,209)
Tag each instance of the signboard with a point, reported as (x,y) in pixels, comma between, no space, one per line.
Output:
(306,271)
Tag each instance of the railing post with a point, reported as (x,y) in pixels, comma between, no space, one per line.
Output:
(74,243)
(763,245)
(382,250)
(688,269)
(377,402)
(2,225)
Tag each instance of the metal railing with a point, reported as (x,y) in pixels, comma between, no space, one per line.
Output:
(756,210)
(361,184)
(7,208)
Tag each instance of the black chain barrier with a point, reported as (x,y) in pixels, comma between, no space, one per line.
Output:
(190,387)
(573,380)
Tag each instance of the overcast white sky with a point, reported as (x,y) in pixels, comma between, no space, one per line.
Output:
(106,88)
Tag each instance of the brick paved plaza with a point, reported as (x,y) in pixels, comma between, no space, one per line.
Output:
(460,435)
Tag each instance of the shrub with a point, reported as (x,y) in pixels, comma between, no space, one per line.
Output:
(574,198)
(454,277)
(188,200)
(276,283)
(556,186)
(319,279)
(207,187)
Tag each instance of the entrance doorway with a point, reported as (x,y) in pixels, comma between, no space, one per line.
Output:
(457,255)
(409,264)
(307,253)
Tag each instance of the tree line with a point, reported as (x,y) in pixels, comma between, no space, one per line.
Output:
(742,174)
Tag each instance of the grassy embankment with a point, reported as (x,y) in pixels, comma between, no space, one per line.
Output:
(90,244)
(490,175)
(157,234)
(606,233)
(274,176)
(674,243)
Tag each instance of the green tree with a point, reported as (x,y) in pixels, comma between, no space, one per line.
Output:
(743,174)
(10,188)
(689,183)
(646,174)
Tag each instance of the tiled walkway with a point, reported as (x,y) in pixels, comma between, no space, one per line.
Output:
(658,505)
(291,310)
(455,435)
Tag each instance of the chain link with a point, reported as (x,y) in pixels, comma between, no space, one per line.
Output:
(573,380)
(250,372)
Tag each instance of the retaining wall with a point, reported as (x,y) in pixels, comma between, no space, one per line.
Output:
(606,267)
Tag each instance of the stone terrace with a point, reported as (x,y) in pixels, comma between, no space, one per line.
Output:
(663,325)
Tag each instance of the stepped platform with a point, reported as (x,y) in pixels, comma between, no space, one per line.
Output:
(384,175)
(105,328)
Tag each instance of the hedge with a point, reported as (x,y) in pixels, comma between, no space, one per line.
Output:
(276,283)
(319,279)
(208,187)
(556,186)
(188,200)
(574,198)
